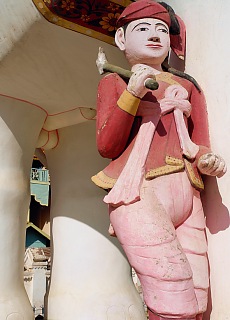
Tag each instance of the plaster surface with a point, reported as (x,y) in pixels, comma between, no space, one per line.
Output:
(207,60)
(47,72)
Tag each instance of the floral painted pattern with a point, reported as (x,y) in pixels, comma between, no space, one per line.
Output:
(67,5)
(97,15)
(110,21)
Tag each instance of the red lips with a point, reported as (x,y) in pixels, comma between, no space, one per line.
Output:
(152,45)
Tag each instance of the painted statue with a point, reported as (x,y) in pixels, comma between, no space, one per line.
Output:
(159,145)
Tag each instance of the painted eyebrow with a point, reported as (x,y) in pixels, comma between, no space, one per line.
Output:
(162,25)
(149,24)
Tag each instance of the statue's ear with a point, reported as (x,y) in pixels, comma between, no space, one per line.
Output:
(120,38)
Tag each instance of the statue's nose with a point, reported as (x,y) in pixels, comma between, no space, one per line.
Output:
(154,39)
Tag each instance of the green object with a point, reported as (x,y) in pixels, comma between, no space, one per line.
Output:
(39,185)
(35,237)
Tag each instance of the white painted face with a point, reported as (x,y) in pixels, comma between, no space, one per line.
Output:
(145,41)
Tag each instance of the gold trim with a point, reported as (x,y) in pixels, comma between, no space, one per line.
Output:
(174,161)
(123,3)
(128,102)
(181,57)
(161,171)
(166,77)
(172,165)
(30,224)
(103,181)
(53,18)
(195,181)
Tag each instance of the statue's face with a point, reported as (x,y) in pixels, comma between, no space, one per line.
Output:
(146,41)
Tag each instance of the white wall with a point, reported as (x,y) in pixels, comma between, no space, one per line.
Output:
(208,51)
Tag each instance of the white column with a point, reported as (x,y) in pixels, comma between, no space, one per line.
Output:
(90,278)
(20,124)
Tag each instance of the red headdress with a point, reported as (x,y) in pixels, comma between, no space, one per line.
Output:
(150,9)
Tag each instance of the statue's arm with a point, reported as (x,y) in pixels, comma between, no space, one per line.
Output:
(116,109)
(208,163)
(198,122)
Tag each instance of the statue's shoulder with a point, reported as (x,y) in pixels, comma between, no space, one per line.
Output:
(112,81)
(112,77)
(186,80)
(172,79)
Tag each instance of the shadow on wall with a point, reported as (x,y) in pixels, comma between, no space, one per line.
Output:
(72,181)
(217,214)
(217,218)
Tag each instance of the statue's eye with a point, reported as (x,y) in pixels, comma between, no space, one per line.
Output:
(163,30)
(142,29)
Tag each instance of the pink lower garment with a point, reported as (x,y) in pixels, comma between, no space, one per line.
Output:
(153,316)
(163,236)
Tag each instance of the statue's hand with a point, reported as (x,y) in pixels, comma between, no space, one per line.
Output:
(212,165)
(136,85)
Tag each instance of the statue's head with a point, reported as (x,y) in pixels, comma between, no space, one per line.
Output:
(146,30)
